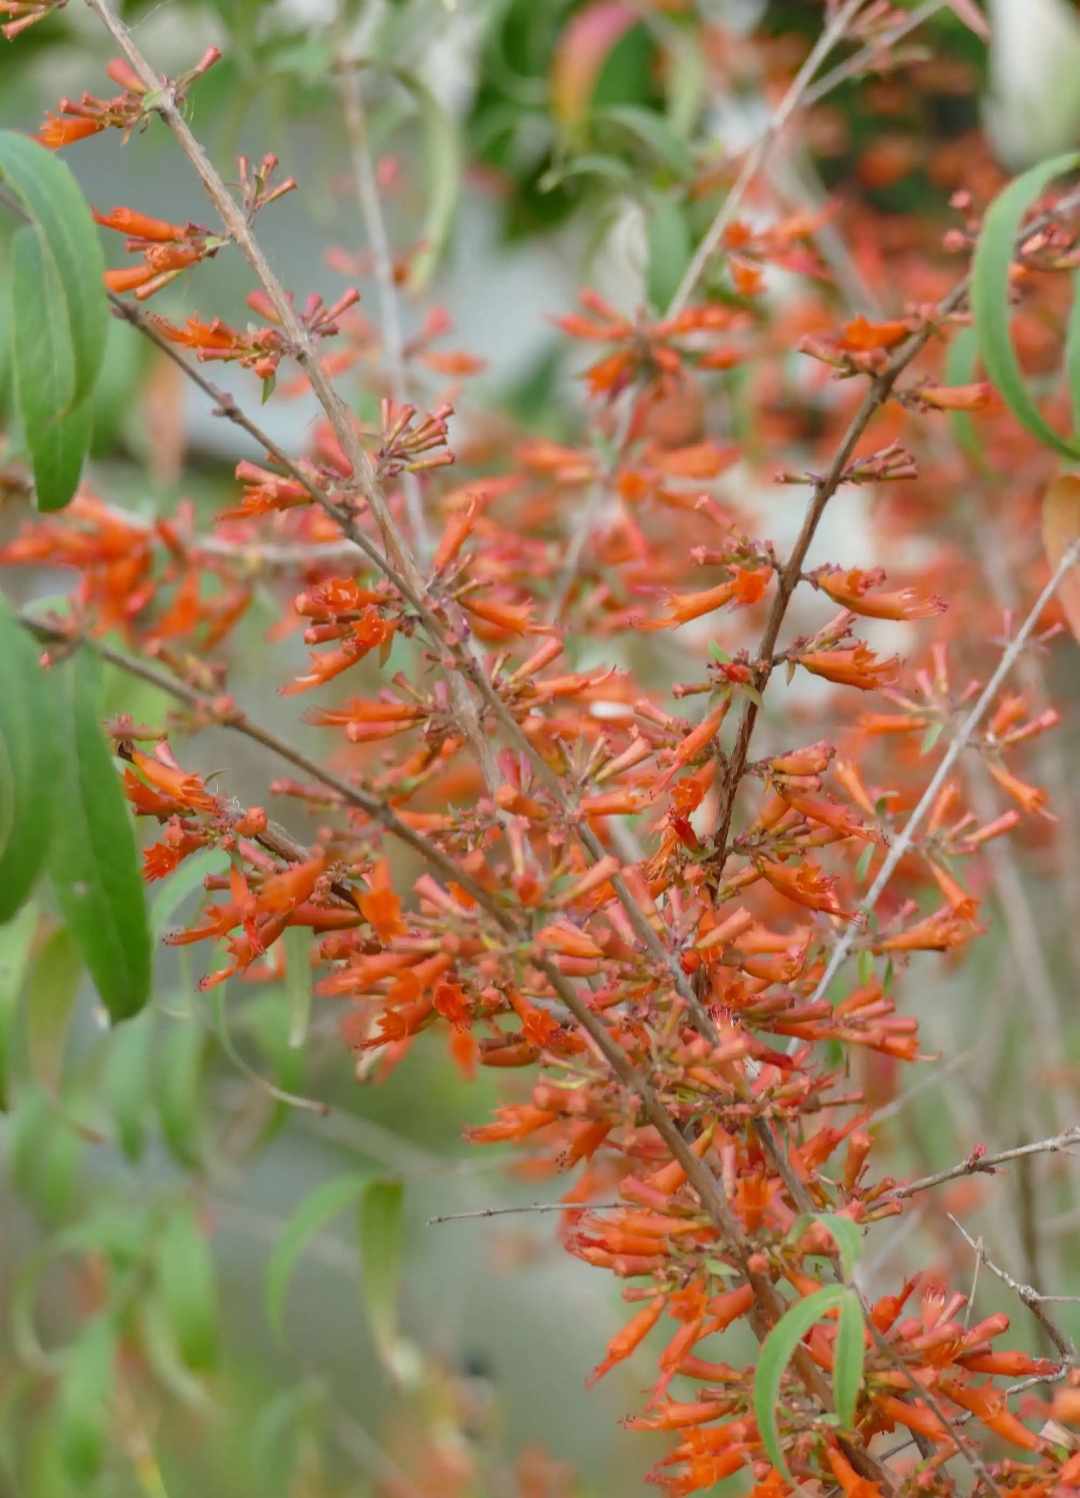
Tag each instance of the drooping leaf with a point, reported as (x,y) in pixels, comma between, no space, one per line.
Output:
(15,943)
(297,943)
(27,739)
(59,452)
(46,190)
(188,1287)
(50,1003)
(85,1394)
(845,1234)
(444,167)
(776,1353)
(652,132)
(990,297)
(324,1204)
(181,884)
(177,1075)
(93,861)
(848,1358)
(380,1253)
(158,1341)
(960,370)
(670,249)
(45,1155)
(41,335)
(127,1081)
(1061,530)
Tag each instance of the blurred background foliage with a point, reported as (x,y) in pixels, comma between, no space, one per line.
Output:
(535,145)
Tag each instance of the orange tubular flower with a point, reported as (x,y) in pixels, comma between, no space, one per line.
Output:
(850,589)
(855,667)
(806,884)
(744,588)
(1031,797)
(184,789)
(626,1341)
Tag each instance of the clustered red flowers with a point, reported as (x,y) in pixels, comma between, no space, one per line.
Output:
(612,878)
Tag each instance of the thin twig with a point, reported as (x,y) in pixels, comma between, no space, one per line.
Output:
(959,743)
(367,192)
(977,1164)
(881,46)
(1027,1293)
(714,235)
(531,1207)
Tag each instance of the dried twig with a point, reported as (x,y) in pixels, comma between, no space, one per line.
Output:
(982,1164)
(1027,1293)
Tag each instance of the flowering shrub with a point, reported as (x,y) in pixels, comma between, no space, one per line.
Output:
(598,805)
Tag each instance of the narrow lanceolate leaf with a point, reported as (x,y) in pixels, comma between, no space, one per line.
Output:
(848,1358)
(50,1003)
(85,1393)
(40,335)
(1061,529)
(320,1207)
(669,250)
(990,297)
(846,1234)
(27,738)
(380,1252)
(443,170)
(297,943)
(179,886)
(776,1353)
(60,215)
(127,1081)
(59,451)
(177,1077)
(93,862)
(15,942)
(960,364)
(188,1287)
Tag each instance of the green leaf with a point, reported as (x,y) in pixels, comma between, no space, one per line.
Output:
(181,884)
(866,966)
(85,1392)
(159,1344)
(990,296)
(653,132)
(862,868)
(188,1287)
(177,1074)
(93,861)
(15,942)
(669,250)
(127,1081)
(50,1003)
(930,737)
(590,164)
(325,1203)
(58,452)
(297,943)
(845,1234)
(41,335)
(27,738)
(380,1252)
(776,1352)
(49,194)
(444,167)
(848,1359)
(960,366)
